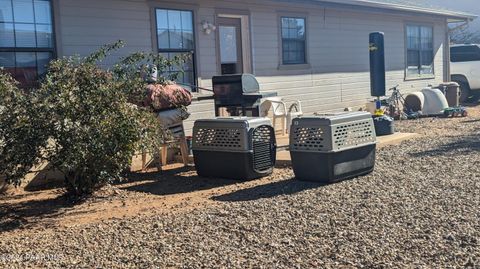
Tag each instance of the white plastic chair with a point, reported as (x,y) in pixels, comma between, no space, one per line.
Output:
(280,111)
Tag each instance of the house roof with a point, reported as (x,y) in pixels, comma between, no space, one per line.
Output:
(411,6)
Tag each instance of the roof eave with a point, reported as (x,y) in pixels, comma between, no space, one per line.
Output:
(461,19)
(451,15)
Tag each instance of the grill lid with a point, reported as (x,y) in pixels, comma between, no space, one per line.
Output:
(239,84)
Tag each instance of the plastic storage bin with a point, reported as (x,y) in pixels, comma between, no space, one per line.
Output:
(334,147)
(384,125)
(235,148)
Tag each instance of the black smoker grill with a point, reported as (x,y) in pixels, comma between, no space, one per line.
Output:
(236,148)
(238,94)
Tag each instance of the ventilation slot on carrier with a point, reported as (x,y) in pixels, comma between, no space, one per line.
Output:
(219,138)
(352,134)
(308,138)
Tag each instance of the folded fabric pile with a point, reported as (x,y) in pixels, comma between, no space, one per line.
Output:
(172,117)
(167,96)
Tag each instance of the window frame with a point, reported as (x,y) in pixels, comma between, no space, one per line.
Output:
(52,50)
(419,76)
(293,66)
(193,51)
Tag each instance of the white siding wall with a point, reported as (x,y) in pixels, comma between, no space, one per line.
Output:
(88,24)
(339,58)
(337,46)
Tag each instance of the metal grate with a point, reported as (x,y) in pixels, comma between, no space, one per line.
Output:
(264,148)
(308,139)
(219,138)
(352,134)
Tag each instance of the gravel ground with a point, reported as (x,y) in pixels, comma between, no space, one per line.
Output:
(419,209)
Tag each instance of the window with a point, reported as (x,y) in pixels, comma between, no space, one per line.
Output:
(419,50)
(293,40)
(175,36)
(465,53)
(26,38)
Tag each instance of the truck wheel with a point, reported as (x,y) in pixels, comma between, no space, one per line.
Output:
(464,92)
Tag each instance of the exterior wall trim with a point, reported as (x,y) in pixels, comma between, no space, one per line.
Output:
(386,8)
(57,34)
(446,48)
(247,45)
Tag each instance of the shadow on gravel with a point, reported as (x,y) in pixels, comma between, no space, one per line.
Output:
(462,145)
(173,182)
(471,121)
(24,214)
(274,189)
(143,176)
(473,100)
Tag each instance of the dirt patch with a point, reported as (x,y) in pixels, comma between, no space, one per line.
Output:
(175,190)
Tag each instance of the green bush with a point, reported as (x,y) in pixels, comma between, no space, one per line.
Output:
(21,131)
(81,120)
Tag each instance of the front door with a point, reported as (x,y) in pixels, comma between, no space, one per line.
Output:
(230,43)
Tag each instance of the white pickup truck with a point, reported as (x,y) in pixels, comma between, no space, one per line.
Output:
(465,69)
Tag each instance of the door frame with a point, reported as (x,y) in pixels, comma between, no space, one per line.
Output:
(246,38)
(237,24)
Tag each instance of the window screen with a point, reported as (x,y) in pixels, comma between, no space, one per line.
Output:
(293,40)
(419,50)
(175,36)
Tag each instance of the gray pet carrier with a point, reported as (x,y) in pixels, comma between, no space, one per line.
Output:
(236,148)
(330,148)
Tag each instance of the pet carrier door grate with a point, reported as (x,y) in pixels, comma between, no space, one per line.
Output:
(264,148)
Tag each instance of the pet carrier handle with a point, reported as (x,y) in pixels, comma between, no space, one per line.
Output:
(272,149)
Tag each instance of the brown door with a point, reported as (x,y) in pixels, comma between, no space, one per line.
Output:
(230,45)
